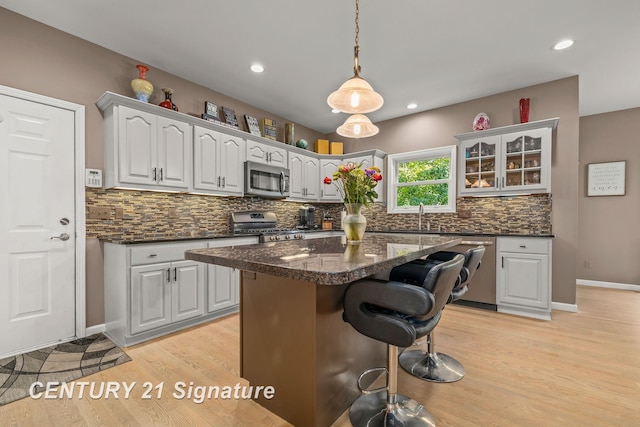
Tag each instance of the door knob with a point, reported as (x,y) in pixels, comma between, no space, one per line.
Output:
(63,237)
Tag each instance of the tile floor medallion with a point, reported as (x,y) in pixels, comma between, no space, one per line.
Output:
(61,362)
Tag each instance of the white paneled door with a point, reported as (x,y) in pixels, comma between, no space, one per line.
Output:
(37,225)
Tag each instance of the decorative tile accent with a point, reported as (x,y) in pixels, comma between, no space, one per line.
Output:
(154,215)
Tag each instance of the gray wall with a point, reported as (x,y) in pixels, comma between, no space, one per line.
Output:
(436,128)
(608,232)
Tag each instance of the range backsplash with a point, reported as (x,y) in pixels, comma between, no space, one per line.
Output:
(153,215)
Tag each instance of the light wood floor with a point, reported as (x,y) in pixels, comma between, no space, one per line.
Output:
(580,369)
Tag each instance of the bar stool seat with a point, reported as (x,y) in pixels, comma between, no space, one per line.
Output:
(396,313)
(430,365)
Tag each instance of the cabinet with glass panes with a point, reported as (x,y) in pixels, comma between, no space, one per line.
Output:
(512,159)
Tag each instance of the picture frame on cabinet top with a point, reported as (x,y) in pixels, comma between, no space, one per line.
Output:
(211,109)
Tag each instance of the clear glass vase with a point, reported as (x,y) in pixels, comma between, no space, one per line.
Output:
(354,223)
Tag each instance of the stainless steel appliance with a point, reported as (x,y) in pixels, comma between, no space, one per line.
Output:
(482,288)
(306,217)
(262,224)
(266,180)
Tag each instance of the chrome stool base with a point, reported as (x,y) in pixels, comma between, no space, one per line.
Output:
(373,410)
(436,367)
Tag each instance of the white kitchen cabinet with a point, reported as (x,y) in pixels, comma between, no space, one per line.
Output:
(304,178)
(523,266)
(223,282)
(508,160)
(329,192)
(218,162)
(370,158)
(266,154)
(145,151)
(151,290)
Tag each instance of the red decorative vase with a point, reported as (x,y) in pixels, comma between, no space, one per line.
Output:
(524,110)
(168,103)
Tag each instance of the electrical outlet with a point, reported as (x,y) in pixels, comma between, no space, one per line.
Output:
(172,213)
(587,264)
(99,212)
(119,213)
(464,213)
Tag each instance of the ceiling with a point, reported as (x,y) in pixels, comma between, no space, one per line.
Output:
(433,53)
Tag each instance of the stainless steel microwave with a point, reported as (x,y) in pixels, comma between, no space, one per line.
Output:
(266,180)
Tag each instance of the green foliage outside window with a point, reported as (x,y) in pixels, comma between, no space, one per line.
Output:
(414,184)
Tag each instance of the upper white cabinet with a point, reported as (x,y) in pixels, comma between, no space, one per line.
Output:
(146,151)
(370,158)
(266,154)
(217,162)
(329,192)
(508,160)
(304,178)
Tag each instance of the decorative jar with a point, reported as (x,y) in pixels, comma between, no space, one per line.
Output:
(168,103)
(141,86)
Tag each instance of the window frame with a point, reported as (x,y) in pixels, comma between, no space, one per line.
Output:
(393,160)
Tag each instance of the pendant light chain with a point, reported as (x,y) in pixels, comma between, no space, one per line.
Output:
(356,48)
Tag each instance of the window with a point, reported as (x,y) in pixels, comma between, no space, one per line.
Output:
(425,176)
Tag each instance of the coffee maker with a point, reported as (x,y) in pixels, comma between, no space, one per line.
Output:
(306,217)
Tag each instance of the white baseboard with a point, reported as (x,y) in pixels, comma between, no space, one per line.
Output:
(572,308)
(612,285)
(96,329)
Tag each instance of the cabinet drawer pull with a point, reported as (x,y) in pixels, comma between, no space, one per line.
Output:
(523,246)
(153,255)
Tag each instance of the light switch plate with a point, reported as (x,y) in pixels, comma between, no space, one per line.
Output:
(93,178)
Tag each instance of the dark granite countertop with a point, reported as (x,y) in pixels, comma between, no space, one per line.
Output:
(328,261)
(229,235)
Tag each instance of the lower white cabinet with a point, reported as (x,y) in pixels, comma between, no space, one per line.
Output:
(223,282)
(524,276)
(151,290)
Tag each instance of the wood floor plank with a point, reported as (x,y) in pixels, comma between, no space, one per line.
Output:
(579,369)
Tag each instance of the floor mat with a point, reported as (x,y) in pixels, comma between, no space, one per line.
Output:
(61,362)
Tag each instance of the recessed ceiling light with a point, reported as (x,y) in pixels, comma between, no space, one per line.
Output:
(563,44)
(335,110)
(257,68)
(412,105)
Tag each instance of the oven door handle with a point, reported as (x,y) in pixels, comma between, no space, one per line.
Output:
(479,242)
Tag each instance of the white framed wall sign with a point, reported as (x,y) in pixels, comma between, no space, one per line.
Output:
(606,179)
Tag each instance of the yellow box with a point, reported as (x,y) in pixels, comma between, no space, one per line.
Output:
(336,148)
(322,146)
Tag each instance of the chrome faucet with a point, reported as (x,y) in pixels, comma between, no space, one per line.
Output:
(420,211)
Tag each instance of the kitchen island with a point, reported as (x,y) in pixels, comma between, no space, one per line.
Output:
(292,335)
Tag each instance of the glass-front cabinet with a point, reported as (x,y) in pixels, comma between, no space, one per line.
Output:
(509,160)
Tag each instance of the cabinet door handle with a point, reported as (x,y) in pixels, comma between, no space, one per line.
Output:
(502,262)
(168,275)
(218,181)
(502,182)
(161,174)
(155,176)
(224,181)
(175,274)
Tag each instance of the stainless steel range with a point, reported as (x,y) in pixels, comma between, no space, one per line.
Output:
(262,224)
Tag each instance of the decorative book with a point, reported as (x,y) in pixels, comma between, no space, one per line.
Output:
(230,116)
(269,129)
(253,127)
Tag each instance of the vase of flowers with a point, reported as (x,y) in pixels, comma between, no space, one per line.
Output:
(357,186)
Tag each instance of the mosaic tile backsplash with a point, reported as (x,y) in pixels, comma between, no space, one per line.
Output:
(148,215)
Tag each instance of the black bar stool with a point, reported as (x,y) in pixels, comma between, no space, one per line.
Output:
(396,313)
(430,365)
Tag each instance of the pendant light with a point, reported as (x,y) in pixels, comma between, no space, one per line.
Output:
(357,126)
(355,96)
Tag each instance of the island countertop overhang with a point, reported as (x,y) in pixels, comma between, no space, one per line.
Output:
(326,261)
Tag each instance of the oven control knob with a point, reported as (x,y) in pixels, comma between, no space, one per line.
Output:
(272,238)
(277,237)
(287,237)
